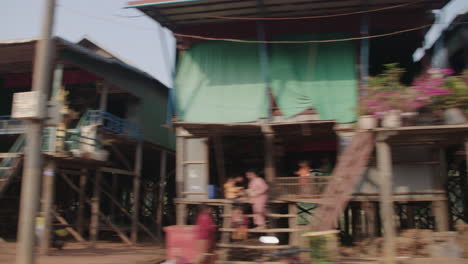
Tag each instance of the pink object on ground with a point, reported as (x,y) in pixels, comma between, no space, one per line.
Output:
(180,242)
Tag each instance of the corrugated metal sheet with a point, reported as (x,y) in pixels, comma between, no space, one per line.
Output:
(194,12)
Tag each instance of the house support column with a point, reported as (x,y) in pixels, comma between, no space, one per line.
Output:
(270,172)
(162,188)
(384,162)
(440,208)
(136,191)
(94,226)
(81,201)
(47,201)
(180,154)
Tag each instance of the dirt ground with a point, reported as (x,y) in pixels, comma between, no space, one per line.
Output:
(105,253)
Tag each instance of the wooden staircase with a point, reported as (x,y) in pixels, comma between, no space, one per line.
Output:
(10,164)
(348,172)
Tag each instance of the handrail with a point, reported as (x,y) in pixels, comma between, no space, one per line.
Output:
(115,124)
(17,146)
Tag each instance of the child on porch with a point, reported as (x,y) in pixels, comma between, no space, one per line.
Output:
(239,222)
(303,172)
(231,188)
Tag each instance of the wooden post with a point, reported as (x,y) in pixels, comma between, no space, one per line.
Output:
(48,193)
(410,216)
(218,146)
(369,210)
(162,187)
(356,223)
(82,201)
(294,236)
(346,220)
(180,169)
(94,227)
(269,154)
(103,98)
(440,208)
(384,163)
(114,187)
(180,154)
(440,212)
(136,191)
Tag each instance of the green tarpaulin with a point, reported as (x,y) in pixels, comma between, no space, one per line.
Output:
(222,81)
(321,76)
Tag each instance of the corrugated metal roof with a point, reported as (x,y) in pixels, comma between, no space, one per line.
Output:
(185,13)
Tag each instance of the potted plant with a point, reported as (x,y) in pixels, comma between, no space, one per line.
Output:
(454,105)
(366,120)
(389,99)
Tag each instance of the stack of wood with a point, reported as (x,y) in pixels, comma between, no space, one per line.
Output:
(462,238)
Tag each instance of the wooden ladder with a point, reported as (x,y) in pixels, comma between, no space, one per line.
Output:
(348,172)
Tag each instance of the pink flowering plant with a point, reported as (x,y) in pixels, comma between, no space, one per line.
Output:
(385,91)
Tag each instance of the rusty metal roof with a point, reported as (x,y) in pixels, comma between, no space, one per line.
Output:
(185,13)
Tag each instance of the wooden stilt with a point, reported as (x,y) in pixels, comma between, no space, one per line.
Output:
(269,154)
(81,201)
(70,230)
(48,193)
(218,146)
(440,212)
(114,187)
(410,216)
(136,192)
(294,236)
(94,227)
(181,214)
(180,154)
(369,209)
(346,220)
(162,188)
(356,223)
(384,162)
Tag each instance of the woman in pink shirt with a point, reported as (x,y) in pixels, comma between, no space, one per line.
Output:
(205,234)
(258,197)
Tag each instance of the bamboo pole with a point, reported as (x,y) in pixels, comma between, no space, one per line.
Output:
(94,227)
(136,192)
(162,187)
(384,161)
(81,201)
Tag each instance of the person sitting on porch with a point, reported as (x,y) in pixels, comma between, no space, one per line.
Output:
(231,190)
(303,172)
(240,223)
(258,195)
(205,235)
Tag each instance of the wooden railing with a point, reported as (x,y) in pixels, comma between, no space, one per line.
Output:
(300,187)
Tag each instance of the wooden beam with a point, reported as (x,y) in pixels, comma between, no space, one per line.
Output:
(81,201)
(114,188)
(48,193)
(136,191)
(94,227)
(76,235)
(162,188)
(384,161)
(121,157)
(117,171)
(99,213)
(103,98)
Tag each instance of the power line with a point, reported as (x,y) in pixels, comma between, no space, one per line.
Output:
(310,41)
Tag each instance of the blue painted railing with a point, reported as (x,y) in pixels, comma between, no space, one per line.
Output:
(114,124)
(11,126)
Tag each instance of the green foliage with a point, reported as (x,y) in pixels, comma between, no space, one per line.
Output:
(458,85)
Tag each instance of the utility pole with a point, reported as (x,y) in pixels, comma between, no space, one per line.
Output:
(32,171)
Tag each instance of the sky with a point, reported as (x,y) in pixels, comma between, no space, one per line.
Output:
(126,33)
